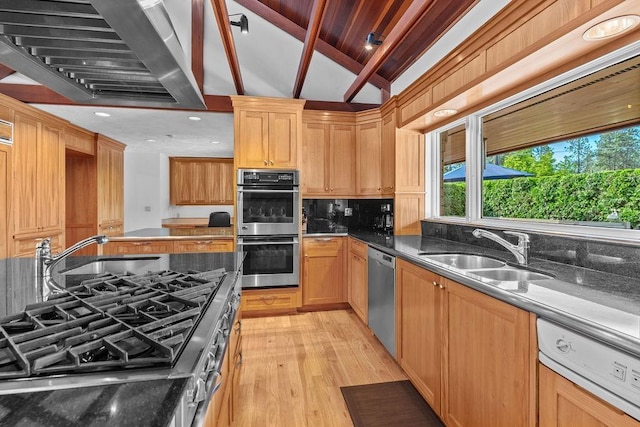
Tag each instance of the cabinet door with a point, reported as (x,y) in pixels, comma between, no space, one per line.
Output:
(199,183)
(342,158)
(116,175)
(51,180)
(563,403)
(323,271)
(357,292)
(4,204)
(488,361)
(180,182)
(225,183)
(388,161)
(420,329)
(27,133)
(368,143)
(283,140)
(315,153)
(253,139)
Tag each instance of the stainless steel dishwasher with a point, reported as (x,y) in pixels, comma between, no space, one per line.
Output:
(382,298)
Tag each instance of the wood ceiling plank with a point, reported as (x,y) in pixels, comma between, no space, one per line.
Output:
(315,23)
(412,15)
(197,41)
(5,71)
(222,17)
(321,46)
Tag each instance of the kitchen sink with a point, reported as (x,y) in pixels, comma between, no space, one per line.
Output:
(510,275)
(112,265)
(465,261)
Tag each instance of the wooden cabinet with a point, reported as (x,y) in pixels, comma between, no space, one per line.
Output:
(138,247)
(37,208)
(110,186)
(472,357)
(357,282)
(369,147)
(196,246)
(388,153)
(328,158)
(267,132)
(323,270)
(201,181)
(79,140)
(489,360)
(4,200)
(419,329)
(259,302)
(563,403)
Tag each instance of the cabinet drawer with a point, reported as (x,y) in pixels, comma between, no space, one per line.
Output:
(217,245)
(316,245)
(272,299)
(27,247)
(358,248)
(146,247)
(111,229)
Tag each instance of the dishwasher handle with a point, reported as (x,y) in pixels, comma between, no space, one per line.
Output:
(381,257)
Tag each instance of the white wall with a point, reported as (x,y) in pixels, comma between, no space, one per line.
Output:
(146,186)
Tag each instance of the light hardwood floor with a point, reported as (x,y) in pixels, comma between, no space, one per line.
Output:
(294,366)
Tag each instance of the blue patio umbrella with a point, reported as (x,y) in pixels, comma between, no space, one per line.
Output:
(491,171)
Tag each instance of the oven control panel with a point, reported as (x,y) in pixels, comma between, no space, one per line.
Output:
(603,365)
(267,176)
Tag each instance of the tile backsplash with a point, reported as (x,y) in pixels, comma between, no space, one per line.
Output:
(342,215)
(609,257)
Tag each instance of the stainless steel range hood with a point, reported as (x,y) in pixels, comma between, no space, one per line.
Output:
(115,52)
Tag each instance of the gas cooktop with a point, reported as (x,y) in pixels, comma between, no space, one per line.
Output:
(108,322)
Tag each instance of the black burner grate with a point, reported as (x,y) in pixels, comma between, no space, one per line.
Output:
(107,322)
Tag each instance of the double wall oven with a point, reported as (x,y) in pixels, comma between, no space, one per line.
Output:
(268,227)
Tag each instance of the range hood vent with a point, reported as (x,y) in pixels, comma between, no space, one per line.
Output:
(115,52)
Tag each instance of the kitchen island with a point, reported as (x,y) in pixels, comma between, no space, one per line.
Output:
(146,395)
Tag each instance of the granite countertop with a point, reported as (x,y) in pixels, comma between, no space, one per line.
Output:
(140,403)
(187,222)
(203,233)
(603,305)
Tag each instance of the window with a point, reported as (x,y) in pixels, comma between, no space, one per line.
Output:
(565,154)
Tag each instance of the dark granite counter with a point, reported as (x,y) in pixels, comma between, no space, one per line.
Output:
(603,305)
(140,404)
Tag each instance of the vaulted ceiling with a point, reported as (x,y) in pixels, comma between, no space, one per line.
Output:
(299,49)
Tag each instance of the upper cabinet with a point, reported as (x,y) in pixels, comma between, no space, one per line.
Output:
(38,181)
(110,185)
(201,181)
(369,148)
(267,132)
(328,154)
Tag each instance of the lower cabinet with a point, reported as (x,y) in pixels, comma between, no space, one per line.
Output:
(323,270)
(563,403)
(471,356)
(167,246)
(357,290)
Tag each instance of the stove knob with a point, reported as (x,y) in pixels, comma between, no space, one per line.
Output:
(199,392)
(563,346)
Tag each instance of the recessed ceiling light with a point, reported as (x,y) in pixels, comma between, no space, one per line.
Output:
(215,142)
(445,112)
(151,140)
(611,27)
(194,118)
(102,114)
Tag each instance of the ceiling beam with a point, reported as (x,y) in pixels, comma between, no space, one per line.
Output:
(405,24)
(38,94)
(222,17)
(5,71)
(321,46)
(315,24)
(197,41)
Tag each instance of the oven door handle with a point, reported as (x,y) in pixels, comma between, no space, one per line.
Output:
(262,243)
(274,190)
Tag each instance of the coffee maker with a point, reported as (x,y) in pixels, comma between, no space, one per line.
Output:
(387,216)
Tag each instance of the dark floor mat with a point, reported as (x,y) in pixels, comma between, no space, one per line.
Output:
(395,403)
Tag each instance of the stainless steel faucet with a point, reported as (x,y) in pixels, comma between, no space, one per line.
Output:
(45,261)
(521,250)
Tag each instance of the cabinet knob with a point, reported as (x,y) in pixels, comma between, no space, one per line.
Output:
(331,188)
(326,188)
(378,188)
(265,163)
(271,162)
(434,283)
(441,286)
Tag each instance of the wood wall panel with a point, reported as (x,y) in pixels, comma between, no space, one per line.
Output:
(81,206)
(409,161)
(459,78)
(408,211)
(4,201)
(541,25)
(421,102)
